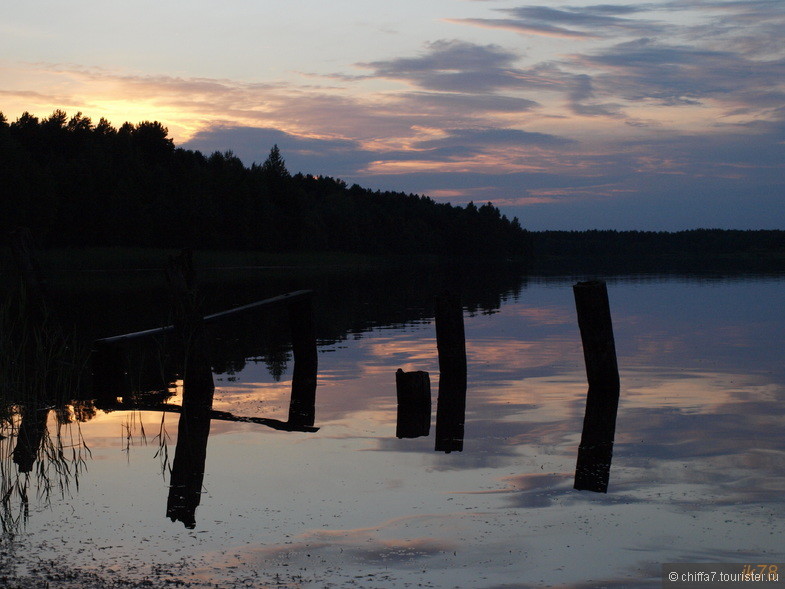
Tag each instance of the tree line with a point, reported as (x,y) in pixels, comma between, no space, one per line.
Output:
(74,182)
(695,250)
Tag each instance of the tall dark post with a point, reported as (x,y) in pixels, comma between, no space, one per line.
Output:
(602,400)
(198,387)
(451,345)
(306,362)
(190,455)
(413,390)
(109,371)
(188,321)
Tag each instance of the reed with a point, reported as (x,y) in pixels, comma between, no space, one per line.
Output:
(42,450)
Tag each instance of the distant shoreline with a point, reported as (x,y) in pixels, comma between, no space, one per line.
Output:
(552,252)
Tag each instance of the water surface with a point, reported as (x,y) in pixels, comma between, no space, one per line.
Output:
(697,471)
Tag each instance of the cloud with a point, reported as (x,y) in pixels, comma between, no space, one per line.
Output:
(525,28)
(581,92)
(585,23)
(493,137)
(448,102)
(302,154)
(646,69)
(477,73)
(453,66)
(344,157)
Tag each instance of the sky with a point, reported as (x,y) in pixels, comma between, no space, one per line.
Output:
(653,115)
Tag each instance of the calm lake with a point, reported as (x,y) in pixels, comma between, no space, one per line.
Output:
(697,472)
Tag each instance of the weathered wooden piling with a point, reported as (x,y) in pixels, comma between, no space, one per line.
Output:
(602,399)
(413,390)
(302,410)
(188,321)
(451,346)
(109,371)
(599,349)
(193,428)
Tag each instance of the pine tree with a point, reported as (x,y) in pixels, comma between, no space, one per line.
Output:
(274,167)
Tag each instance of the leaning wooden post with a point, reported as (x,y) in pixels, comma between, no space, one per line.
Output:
(302,410)
(413,390)
(602,400)
(451,345)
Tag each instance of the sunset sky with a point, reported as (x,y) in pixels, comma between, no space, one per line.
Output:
(656,115)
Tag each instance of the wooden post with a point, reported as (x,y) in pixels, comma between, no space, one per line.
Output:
(302,411)
(188,321)
(109,371)
(602,400)
(599,350)
(451,345)
(413,390)
(193,428)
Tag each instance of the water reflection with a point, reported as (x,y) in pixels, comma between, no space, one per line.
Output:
(697,452)
(595,452)
(138,372)
(413,391)
(32,427)
(190,455)
(451,344)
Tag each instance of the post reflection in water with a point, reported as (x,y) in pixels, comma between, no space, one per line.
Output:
(413,390)
(194,425)
(193,429)
(592,471)
(306,363)
(694,470)
(32,428)
(595,452)
(451,344)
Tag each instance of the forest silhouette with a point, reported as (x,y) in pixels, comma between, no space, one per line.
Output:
(76,183)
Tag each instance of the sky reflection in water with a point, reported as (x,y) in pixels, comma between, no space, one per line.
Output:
(697,472)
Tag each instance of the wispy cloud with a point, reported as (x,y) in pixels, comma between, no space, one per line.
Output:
(453,66)
(523,27)
(578,23)
(646,69)
(492,136)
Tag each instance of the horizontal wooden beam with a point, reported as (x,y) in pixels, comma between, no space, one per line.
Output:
(281,299)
